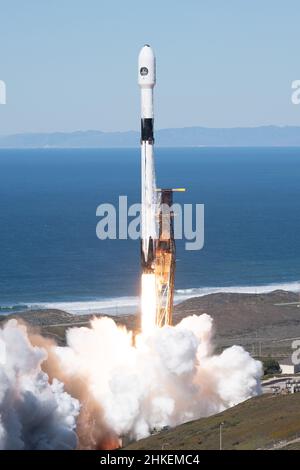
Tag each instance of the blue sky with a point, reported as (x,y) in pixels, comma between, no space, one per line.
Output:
(72,64)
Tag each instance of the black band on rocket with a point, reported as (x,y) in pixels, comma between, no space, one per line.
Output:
(147,130)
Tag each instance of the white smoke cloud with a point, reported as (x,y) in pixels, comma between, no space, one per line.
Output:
(33,413)
(166,378)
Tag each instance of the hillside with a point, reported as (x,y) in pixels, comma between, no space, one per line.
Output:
(259,423)
(235,313)
(263,323)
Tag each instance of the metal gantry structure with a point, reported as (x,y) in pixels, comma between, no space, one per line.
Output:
(165,260)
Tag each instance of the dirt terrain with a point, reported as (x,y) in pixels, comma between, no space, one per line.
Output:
(265,324)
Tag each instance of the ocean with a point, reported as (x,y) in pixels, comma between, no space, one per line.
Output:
(50,256)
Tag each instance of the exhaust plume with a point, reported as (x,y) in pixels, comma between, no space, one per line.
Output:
(168,377)
(34,414)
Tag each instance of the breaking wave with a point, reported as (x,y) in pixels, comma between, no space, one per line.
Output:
(124,305)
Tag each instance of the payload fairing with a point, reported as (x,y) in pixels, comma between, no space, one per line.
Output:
(157,234)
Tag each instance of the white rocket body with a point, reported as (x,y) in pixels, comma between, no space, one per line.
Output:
(146,80)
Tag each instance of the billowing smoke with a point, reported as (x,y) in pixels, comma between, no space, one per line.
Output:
(166,378)
(33,413)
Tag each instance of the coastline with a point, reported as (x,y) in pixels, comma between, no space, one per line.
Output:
(116,306)
(265,324)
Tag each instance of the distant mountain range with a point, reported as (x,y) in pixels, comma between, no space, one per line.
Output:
(266,136)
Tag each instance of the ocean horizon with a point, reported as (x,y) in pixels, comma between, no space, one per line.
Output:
(50,256)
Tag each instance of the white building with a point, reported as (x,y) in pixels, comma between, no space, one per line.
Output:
(287,367)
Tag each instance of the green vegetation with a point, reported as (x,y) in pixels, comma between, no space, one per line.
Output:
(271,366)
(258,423)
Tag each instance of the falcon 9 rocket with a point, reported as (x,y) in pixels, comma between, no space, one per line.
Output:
(157,234)
(148,183)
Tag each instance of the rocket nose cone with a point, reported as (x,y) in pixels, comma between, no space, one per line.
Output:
(146,52)
(146,72)
(146,55)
